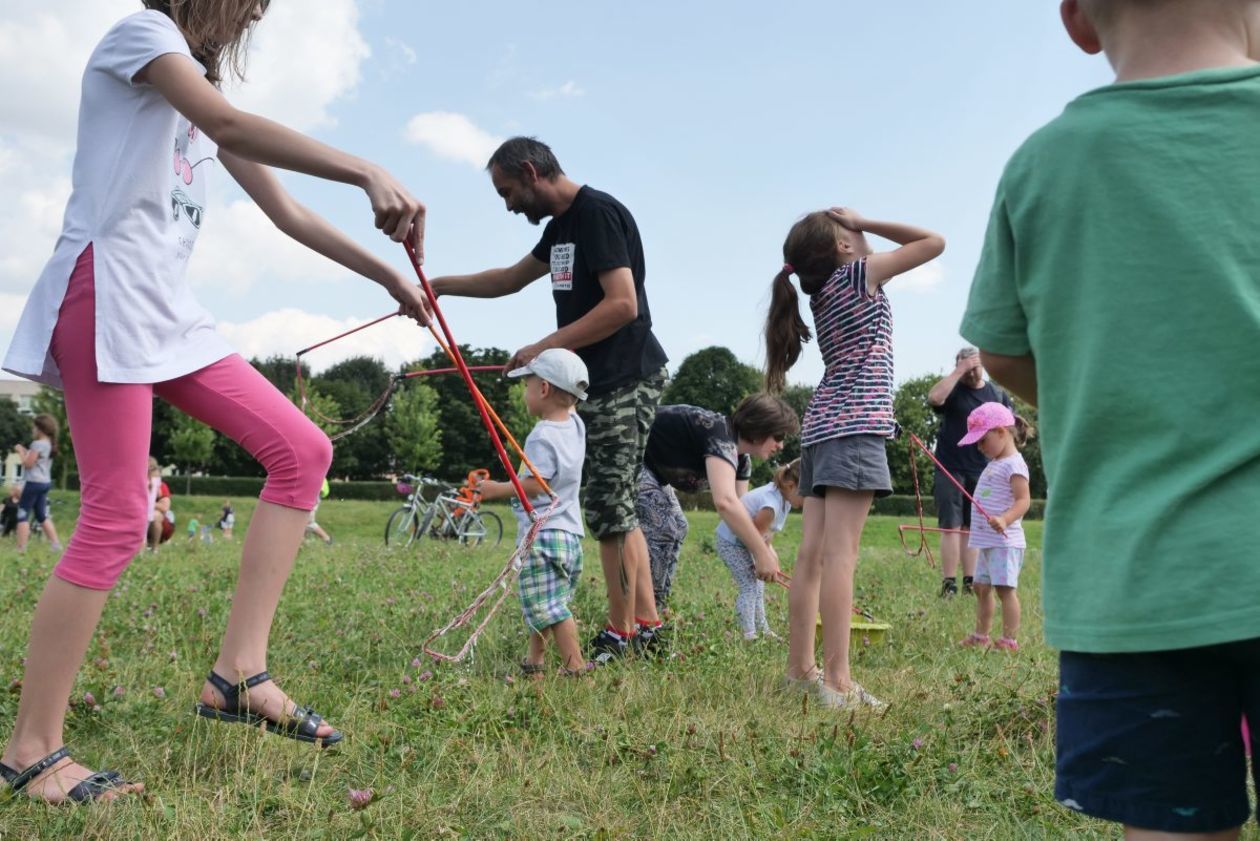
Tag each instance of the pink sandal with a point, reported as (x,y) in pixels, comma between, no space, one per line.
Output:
(1007,644)
(973,639)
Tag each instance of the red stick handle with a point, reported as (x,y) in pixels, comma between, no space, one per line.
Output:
(948,475)
(468,380)
(384,317)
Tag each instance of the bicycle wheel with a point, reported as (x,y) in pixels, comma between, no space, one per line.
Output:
(400,530)
(482,526)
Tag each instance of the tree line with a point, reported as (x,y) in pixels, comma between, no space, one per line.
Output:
(430,425)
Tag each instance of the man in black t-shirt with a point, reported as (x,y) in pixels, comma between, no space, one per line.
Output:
(953,398)
(591,249)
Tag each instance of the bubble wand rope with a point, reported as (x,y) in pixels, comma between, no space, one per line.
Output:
(478,399)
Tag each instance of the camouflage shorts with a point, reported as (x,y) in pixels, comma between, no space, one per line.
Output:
(617,426)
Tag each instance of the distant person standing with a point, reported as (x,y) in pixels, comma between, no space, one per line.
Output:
(37,481)
(954,397)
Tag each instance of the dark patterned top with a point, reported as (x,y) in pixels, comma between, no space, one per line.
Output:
(854,330)
(682,439)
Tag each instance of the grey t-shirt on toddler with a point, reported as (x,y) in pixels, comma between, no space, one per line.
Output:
(558,450)
(41,470)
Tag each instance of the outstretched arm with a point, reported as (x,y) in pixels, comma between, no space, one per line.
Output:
(492,283)
(254,138)
(722,485)
(918,246)
(316,233)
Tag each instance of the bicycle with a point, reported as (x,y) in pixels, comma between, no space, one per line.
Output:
(453,514)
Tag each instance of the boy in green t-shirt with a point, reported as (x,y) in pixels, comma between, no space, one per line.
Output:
(1119,289)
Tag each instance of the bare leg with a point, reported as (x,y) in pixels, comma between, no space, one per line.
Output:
(845,517)
(271,544)
(565,635)
(969,557)
(984,609)
(537,641)
(951,547)
(61,631)
(23,536)
(624,558)
(1010,611)
(803,595)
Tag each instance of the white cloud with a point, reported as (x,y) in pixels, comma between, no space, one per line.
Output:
(285,332)
(300,65)
(568,90)
(400,51)
(923,278)
(453,136)
(10,309)
(239,248)
(303,60)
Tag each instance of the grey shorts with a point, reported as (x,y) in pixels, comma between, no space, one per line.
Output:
(852,463)
(953,510)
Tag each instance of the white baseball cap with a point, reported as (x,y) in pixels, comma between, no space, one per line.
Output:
(562,368)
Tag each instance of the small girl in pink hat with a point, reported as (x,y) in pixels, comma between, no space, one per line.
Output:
(1003,492)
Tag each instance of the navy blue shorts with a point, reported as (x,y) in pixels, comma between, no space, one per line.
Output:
(1153,740)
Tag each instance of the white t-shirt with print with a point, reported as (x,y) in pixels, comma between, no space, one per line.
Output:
(139,187)
(993,491)
(765,496)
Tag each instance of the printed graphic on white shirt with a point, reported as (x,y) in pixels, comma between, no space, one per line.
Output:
(562,267)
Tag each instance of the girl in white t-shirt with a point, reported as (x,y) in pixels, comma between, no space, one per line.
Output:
(1003,492)
(113,320)
(768,506)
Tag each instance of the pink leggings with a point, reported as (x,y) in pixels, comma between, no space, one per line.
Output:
(112,422)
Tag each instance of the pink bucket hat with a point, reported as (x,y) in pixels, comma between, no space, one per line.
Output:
(984,417)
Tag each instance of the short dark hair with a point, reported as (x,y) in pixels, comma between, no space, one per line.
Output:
(761,416)
(514,153)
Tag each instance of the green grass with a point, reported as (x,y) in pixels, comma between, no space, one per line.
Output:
(703,745)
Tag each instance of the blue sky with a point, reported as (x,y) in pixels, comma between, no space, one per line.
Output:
(716,125)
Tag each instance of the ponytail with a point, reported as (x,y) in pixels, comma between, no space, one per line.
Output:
(788,473)
(785,331)
(1024,431)
(48,425)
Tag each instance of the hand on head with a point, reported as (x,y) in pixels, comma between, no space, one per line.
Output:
(848,217)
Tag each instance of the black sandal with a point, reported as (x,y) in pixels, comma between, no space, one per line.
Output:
(302,725)
(533,670)
(90,789)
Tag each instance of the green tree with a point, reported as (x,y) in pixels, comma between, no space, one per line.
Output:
(712,378)
(355,384)
(413,428)
(465,444)
(914,414)
(191,443)
(15,428)
(52,401)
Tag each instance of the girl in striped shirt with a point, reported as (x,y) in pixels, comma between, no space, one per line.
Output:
(843,463)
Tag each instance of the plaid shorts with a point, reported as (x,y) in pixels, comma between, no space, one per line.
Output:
(549,577)
(617,427)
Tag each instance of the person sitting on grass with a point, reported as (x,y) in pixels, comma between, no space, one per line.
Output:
(768,506)
(999,537)
(555,380)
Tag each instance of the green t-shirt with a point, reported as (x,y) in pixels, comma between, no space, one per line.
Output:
(1123,254)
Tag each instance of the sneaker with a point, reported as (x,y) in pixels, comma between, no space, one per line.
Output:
(804,684)
(1007,644)
(606,647)
(949,587)
(648,641)
(856,696)
(968,586)
(973,639)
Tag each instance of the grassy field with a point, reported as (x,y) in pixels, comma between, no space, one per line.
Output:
(702,745)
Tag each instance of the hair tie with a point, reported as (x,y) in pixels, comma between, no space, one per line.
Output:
(787,267)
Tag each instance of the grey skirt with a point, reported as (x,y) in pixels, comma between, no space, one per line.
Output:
(852,463)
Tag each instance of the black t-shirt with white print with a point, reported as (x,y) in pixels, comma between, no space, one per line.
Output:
(597,234)
(681,440)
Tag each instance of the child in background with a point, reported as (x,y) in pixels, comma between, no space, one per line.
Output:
(9,514)
(768,506)
(844,464)
(227,519)
(193,527)
(1117,291)
(1003,487)
(555,380)
(37,482)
